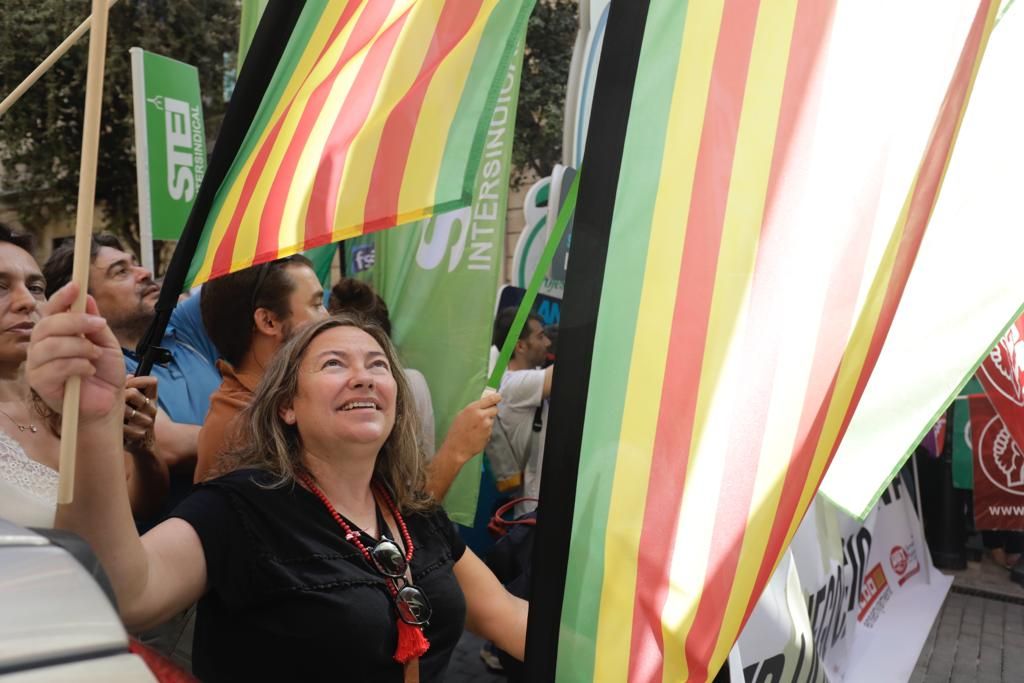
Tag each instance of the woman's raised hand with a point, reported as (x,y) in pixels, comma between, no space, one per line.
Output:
(66,344)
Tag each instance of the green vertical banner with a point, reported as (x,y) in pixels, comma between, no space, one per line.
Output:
(323,259)
(440,278)
(963,451)
(170,145)
(252,10)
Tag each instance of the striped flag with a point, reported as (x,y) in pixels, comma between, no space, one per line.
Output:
(963,293)
(373,117)
(779,165)
(252,10)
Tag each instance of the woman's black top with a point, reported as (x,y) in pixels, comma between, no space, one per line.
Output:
(289,599)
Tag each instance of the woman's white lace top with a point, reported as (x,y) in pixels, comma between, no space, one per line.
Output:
(28,489)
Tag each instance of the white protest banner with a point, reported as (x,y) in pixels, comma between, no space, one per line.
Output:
(850,602)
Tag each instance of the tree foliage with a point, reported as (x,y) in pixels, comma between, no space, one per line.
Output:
(40,136)
(549,44)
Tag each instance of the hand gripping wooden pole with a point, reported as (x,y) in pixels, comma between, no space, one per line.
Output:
(83,235)
(48,63)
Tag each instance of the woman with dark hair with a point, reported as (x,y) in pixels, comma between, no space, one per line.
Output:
(29,441)
(321,557)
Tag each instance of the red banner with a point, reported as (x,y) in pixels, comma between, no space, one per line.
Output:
(998,470)
(1002,376)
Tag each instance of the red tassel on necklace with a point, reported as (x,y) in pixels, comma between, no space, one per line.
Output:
(411,642)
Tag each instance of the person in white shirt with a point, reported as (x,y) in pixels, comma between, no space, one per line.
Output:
(516,447)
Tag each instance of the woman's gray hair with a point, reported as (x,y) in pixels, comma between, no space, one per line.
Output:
(268,443)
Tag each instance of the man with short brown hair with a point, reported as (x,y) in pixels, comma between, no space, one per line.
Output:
(126,295)
(249,315)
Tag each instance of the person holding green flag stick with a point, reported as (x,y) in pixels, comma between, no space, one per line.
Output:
(516,447)
(526,305)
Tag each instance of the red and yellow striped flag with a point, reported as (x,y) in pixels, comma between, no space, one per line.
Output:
(780,164)
(373,118)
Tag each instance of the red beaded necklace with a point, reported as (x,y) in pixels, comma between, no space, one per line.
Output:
(411,641)
(353,536)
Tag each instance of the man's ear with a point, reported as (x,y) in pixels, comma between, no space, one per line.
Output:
(519,348)
(267,323)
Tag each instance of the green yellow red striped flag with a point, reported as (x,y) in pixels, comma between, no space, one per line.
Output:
(778,169)
(963,292)
(373,118)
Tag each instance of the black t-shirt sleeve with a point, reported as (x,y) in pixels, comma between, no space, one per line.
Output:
(449,533)
(226,543)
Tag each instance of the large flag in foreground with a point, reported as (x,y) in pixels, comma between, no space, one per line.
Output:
(778,166)
(374,116)
(964,290)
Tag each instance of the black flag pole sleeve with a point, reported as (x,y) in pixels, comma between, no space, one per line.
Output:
(613,95)
(268,43)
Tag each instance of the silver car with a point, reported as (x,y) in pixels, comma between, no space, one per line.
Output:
(57,615)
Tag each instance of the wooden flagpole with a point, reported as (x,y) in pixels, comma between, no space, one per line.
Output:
(47,63)
(83,234)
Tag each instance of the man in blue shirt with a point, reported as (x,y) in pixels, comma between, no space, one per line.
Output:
(125,294)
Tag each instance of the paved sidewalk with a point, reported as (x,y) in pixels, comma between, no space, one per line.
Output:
(974,640)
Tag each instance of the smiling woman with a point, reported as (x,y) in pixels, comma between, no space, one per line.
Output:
(303,418)
(321,552)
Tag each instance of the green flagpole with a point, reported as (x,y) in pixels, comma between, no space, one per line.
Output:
(526,305)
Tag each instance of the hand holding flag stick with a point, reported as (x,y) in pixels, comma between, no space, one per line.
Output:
(83,235)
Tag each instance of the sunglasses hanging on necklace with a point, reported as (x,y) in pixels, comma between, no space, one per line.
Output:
(386,557)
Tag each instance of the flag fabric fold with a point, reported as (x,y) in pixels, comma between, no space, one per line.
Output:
(963,293)
(779,167)
(375,116)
